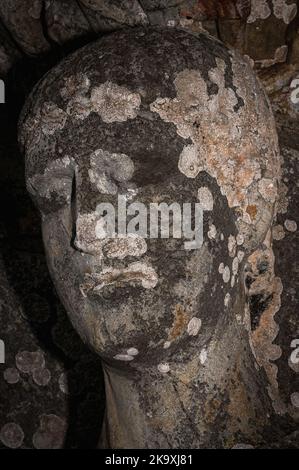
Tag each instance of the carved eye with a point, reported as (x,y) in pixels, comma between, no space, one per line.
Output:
(53,189)
(50,193)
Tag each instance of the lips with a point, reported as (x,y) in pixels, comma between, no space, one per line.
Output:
(135,273)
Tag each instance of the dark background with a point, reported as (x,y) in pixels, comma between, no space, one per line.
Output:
(54,396)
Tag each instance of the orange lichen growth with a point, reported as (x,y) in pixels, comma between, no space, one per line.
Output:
(252,211)
(180,322)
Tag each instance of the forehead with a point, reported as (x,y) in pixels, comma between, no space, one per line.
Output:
(144,105)
(109,96)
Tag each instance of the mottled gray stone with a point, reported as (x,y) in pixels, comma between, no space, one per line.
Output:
(193,117)
(23,20)
(11,435)
(65,21)
(50,434)
(107,15)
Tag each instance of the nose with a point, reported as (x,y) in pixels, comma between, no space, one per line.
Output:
(87,238)
(93,237)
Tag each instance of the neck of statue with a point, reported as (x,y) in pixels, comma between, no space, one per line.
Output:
(217,392)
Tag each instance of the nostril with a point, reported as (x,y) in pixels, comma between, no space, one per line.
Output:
(83,246)
(76,244)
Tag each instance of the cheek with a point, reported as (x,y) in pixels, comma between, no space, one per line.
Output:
(152,321)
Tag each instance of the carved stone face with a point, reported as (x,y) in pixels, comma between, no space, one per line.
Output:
(158,117)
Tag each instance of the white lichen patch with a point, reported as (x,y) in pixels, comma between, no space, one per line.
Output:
(260,10)
(188,162)
(55,181)
(263,337)
(240,239)
(268,189)
(240,256)
(164,368)
(51,432)
(52,118)
(93,236)
(101,229)
(212,232)
(47,120)
(90,233)
(63,384)
(123,357)
(221,268)
(41,376)
(283,200)
(132,352)
(11,375)
(290,225)
(79,107)
(12,435)
(115,103)
(232,246)
(235,265)
(134,274)
(278,232)
(233,137)
(75,92)
(123,246)
(107,169)
(293,361)
(280,56)
(284,10)
(233,281)
(226,274)
(227,299)
(205,198)
(27,361)
(203,356)
(295,399)
(194,326)
(75,86)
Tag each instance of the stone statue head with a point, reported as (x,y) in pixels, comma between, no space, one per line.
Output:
(150,116)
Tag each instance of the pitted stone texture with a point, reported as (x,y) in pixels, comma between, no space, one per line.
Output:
(9,53)
(50,434)
(65,21)
(29,35)
(248,129)
(107,15)
(12,435)
(200,120)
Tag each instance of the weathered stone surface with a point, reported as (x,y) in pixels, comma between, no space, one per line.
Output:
(196,123)
(264,40)
(104,15)
(23,19)
(65,21)
(35,315)
(40,344)
(266,31)
(159,4)
(9,54)
(232,33)
(208,9)
(294,52)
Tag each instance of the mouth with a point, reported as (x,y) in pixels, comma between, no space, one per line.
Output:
(134,274)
